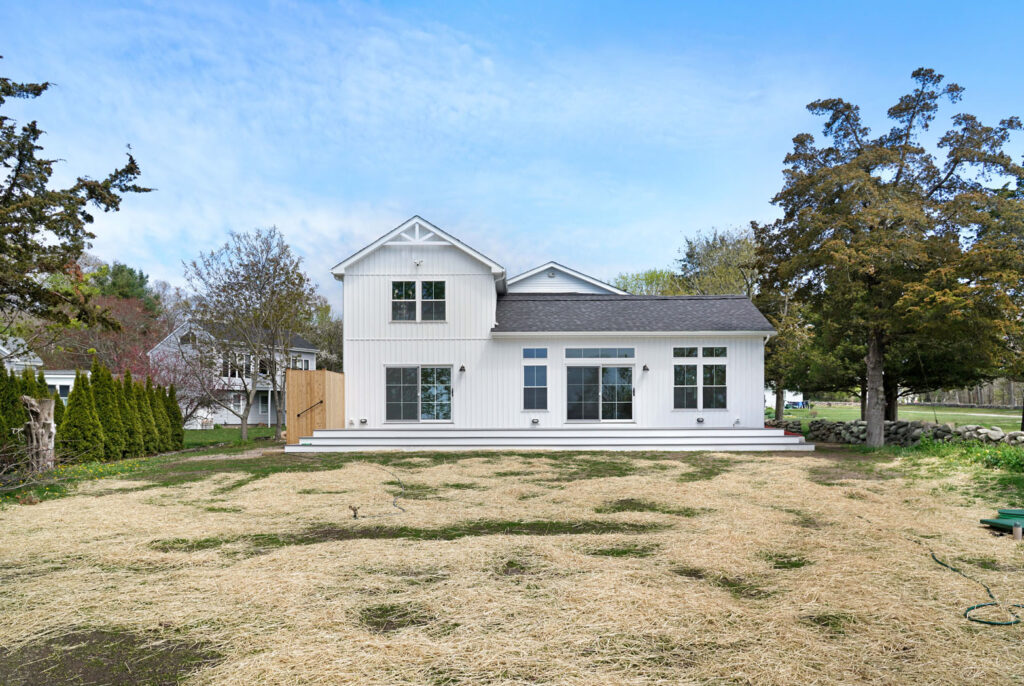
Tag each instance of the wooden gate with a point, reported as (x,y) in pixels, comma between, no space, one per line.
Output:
(314,399)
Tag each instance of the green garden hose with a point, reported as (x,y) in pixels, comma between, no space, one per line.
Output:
(995,601)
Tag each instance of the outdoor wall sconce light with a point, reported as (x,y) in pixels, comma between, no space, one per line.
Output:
(535,421)
(363,420)
(700,420)
(646,368)
(462,368)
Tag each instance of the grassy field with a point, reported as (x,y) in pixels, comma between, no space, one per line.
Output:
(658,568)
(196,438)
(1008,420)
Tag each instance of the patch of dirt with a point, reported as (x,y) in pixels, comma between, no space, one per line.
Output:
(104,657)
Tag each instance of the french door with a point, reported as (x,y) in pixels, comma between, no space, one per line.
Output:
(418,394)
(599,393)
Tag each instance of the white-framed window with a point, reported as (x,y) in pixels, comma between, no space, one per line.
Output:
(714,387)
(264,403)
(535,353)
(418,394)
(432,301)
(684,352)
(599,353)
(235,365)
(711,351)
(684,387)
(236,401)
(403,301)
(298,362)
(599,393)
(428,303)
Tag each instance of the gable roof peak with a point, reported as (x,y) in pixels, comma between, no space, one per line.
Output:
(417,231)
(556,266)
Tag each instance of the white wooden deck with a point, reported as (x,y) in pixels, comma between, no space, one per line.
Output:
(601,437)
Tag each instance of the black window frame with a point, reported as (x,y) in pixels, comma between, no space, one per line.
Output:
(714,393)
(535,393)
(437,307)
(684,395)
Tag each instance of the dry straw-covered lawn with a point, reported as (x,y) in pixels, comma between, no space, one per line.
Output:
(506,569)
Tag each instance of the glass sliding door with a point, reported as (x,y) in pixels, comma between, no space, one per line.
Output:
(418,394)
(435,393)
(583,392)
(599,393)
(616,392)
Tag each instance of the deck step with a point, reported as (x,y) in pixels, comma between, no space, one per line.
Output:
(604,438)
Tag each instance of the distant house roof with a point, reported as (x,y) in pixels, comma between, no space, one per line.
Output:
(550,268)
(15,353)
(297,342)
(576,312)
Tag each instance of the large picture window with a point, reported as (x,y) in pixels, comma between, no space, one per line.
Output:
(403,301)
(685,387)
(432,307)
(714,387)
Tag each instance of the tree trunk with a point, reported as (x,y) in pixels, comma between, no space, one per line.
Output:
(279,412)
(39,433)
(892,398)
(1022,414)
(863,399)
(780,401)
(875,409)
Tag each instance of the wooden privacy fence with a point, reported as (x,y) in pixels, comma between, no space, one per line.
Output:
(314,399)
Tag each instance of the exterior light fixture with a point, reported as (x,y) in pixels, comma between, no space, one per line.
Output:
(462,368)
(646,368)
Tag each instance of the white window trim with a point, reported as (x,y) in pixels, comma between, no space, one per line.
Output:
(693,362)
(417,301)
(576,362)
(533,362)
(419,398)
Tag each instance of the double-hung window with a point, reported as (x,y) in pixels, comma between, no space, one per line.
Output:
(535,379)
(714,387)
(432,305)
(427,304)
(685,387)
(403,301)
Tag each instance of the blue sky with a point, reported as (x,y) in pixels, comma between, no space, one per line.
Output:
(596,134)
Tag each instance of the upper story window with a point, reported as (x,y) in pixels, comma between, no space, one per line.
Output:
(403,301)
(432,307)
(599,352)
(298,362)
(428,304)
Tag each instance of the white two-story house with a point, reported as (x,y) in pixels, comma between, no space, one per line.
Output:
(442,349)
(233,378)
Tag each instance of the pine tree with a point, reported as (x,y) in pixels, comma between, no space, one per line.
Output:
(150,434)
(13,412)
(135,444)
(80,436)
(175,418)
(58,408)
(42,386)
(108,411)
(163,425)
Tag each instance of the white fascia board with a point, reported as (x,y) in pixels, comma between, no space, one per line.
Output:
(571,272)
(631,334)
(338,270)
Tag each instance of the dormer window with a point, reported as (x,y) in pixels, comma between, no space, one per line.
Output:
(431,305)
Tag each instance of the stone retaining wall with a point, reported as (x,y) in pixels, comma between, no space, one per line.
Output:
(909,433)
(791,425)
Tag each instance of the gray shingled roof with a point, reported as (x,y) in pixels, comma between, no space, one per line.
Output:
(523,312)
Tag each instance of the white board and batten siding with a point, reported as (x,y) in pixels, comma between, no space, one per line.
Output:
(489,394)
(554,278)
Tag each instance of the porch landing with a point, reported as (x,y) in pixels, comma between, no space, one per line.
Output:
(596,438)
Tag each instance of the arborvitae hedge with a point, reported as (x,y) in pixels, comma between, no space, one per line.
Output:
(58,409)
(108,410)
(135,443)
(163,425)
(150,434)
(175,418)
(80,435)
(10,407)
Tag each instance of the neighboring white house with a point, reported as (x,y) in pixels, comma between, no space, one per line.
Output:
(443,350)
(301,354)
(62,380)
(16,356)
